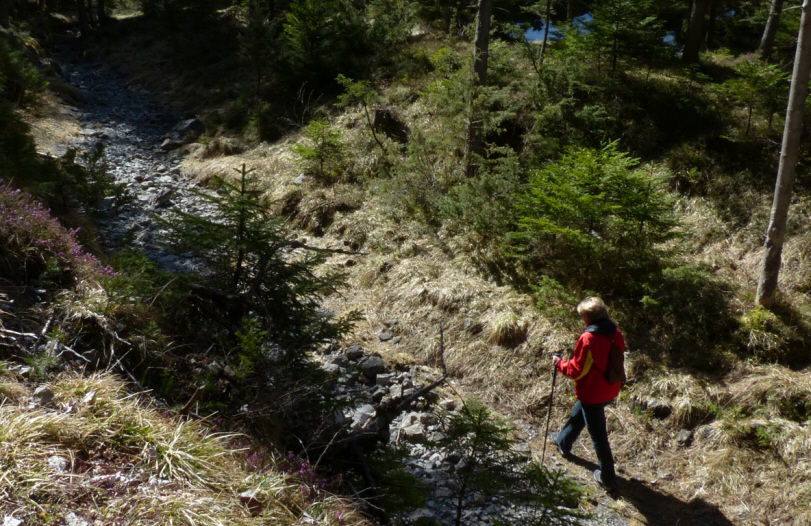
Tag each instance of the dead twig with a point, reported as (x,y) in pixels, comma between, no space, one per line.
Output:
(64,348)
(15,334)
(299,244)
(198,394)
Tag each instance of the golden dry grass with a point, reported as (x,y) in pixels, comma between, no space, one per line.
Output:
(106,455)
(51,126)
(497,346)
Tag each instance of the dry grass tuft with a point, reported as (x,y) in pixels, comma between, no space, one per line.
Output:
(108,455)
(51,126)
(12,390)
(507,330)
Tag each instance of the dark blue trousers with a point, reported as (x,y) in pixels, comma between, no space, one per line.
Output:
(591,416)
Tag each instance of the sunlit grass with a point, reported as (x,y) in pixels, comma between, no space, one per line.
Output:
(106,454)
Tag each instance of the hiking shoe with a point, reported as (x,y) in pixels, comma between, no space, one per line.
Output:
(609,485)
(565,454)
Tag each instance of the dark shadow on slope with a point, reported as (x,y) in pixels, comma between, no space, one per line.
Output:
(660,508)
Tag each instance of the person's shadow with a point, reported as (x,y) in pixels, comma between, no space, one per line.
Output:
(660,508)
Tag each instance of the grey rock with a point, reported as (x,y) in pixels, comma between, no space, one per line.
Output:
(170,144)
(685,437)
(372,366)
(437,436)
(165,199)
(362,416)
(448,404)
(215,368)
(106,204)
(337,359)
(354,352)
(444,493)
(190,130)
(426,418)
(331,368)
(379,393)
(229,373)
(384,335)
(385,379)
(414,432)
(9,520)
(71,519)
(423,518)
(44,395)
(301,179)
(58,464)
(251,501)
(522,450)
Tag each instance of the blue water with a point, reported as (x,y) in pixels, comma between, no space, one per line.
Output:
(581,22)
(555,33)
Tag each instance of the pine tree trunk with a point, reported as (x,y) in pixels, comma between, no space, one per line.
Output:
(101,11)
(570,8)
(695,30)
(475,130)
(711,24)
(4,8)
(770,31)
(792,132)
(547,21)
(84,22)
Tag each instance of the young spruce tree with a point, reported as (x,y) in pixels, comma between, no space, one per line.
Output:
(253,270)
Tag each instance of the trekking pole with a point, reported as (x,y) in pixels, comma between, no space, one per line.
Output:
(549,411)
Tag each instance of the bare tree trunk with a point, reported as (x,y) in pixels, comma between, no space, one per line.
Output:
(546,29)
(695,30)
(792,132)
(101,11)
(711,24)
(570,8)
(475,130)
(84,22)
(770,31)
(91,13)
(4,8)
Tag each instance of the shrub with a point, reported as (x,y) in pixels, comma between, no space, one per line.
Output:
(593,211)
(758,85)
(19,79)
(324,154)
(488,463)
(32,241)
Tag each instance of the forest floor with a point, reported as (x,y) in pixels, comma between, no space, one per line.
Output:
(423,281)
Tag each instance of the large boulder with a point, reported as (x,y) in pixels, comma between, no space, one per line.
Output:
(190,130)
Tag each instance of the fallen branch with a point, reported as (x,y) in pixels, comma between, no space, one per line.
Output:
(65,349)
(15,334)
(299,244)
(198,394)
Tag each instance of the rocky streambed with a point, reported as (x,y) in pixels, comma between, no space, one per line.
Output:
(140,137)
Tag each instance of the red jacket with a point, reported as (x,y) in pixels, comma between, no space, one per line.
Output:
(588,363)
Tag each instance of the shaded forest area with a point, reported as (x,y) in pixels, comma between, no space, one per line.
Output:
(630,154)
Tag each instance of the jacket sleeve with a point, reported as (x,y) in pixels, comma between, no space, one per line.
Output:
(581,362)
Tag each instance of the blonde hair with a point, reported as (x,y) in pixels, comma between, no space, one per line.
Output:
(593,309)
